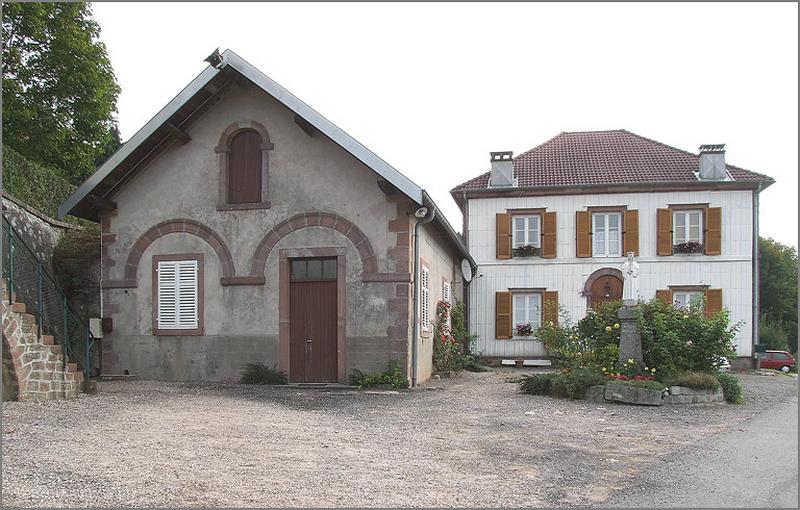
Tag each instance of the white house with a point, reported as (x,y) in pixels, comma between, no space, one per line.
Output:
(554,223)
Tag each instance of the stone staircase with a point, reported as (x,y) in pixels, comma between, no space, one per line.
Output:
(33,364)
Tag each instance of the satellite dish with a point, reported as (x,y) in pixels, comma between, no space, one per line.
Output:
(466,270)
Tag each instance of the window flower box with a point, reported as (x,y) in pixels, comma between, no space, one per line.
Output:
(527,250)
(690,247)
(524,329)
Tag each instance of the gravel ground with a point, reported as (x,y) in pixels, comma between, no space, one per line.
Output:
(467,441)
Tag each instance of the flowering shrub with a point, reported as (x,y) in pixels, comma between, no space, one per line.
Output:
(673,340)
(524,329)
(448,352)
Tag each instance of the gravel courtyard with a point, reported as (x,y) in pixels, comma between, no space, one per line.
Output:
(467,441)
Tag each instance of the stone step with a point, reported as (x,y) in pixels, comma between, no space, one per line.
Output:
(56,349)
(48,340)
(19,307)
(72,367)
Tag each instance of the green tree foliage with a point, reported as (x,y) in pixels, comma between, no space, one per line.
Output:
(778,285)
(59,89)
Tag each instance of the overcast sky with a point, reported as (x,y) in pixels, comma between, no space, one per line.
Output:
(433,88)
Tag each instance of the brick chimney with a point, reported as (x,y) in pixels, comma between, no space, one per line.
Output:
(712,162)
(502,169)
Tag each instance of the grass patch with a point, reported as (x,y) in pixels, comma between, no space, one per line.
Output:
(393,376)
(259,373)
(731,388)
(696,380)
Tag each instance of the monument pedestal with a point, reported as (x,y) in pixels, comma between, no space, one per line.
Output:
(630,338)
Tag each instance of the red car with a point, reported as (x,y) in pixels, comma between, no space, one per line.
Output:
(778,360)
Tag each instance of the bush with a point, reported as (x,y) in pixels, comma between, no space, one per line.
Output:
(731,388)
(537,384)
(448,353)
(676,340)
(259,373)
(567,384)
(393,376)
(696,380)
(772,333)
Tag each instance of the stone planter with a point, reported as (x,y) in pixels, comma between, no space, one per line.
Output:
(627,394)
(685,395)
(595,394)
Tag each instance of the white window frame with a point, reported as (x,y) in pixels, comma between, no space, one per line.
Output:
(532,223)
(531,310)
(424,298)
(178,295)
(685,215)
(687,297)
(602,249)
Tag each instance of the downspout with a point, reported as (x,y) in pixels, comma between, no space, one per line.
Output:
(756,279)
(465,228)
(415,338)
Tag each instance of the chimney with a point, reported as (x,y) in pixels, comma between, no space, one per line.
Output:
(712,162)
(502,169)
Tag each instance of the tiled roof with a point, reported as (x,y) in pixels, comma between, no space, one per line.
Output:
(605,157)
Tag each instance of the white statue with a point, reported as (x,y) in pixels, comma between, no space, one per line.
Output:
(630,286)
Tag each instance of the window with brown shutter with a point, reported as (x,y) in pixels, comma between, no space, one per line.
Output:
(503,232)
(549,235)
(503,320)
(664,237)
(713,301)
(550,306)
(630,233)
(664,296)
(244,168)
(583,230)
(714,231)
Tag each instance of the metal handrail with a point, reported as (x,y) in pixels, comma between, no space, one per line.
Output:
(27,279)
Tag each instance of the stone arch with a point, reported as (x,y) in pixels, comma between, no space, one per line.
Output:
(222,149)
(178,226)
(366,252)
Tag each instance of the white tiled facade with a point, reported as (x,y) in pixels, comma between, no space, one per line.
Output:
(732,271)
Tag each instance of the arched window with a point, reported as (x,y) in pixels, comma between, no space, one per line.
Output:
(244,168)
(243,150)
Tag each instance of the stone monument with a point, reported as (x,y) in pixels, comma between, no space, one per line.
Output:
(630,338)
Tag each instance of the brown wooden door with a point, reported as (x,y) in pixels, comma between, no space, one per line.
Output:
(312,316)
(605,288)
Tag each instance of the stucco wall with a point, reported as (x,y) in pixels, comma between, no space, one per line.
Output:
(306,174)
(731,271)
(438,257)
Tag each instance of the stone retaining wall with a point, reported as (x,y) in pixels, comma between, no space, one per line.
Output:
(629,394)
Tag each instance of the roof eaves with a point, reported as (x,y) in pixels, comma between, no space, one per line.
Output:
(137,139)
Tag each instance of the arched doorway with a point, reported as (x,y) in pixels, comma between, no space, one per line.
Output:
(603,285)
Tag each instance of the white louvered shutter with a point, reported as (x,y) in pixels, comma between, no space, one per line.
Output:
(177,294)
(425,302)
(446,299)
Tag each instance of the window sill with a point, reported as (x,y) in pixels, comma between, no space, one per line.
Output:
(244,207)
(527,338)
(178,332)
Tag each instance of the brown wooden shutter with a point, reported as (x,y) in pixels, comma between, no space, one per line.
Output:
(665,296)
(502,315)
(713,301)
(550,307)
(244,168)
(549,235)
(630,235)
(583,231)
(664,226)
(503,236)
(714,231)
